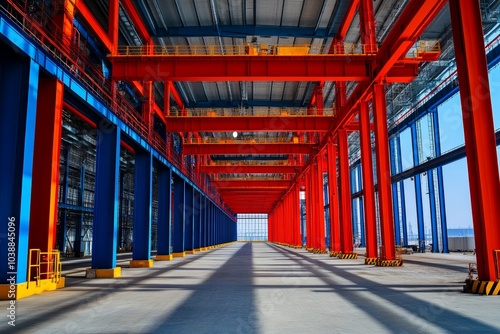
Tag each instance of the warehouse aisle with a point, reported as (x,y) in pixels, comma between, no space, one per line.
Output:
(264,288)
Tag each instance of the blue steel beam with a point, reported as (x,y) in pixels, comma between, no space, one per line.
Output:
(361,210)
(77,245)
(64,196)
(242,31)
(401,191)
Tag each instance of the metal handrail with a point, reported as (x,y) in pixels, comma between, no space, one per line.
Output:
(347,49)
(235,112)
(50,260)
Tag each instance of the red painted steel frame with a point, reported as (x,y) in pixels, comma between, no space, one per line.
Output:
(249,169)
(345,195)
(333,197)
(383,174)
(247,148)
(249,123)
(368,184)
(45,188)
(479,132)
(320,204)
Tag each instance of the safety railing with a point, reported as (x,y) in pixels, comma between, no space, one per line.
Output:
(235,112)
(425,47)
(255,140)
(44,265)
(251,177)
(34,20)
(252,163)
(246,50)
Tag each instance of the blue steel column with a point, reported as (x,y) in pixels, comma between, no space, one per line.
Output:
(189,221)
(204,221)
(354,206)
(361,210)
(418,190)
(395,196)
(179,217)
(64,196)
(105,227)
(143,197)
(77,245)
(164,252)
(197,221)
(442,207)
(402,201)
(432,204)
(18,93)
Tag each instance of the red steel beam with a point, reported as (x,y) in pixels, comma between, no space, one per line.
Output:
(253,68)
(241,68)
(87,15)
(246,148)
(248,123)
(347,20)
(250,184)
(139,25)
(249,169)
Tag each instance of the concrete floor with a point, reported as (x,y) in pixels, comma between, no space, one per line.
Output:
(263,288)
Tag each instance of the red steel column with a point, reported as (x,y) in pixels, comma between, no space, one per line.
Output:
(320,204)
(63,19)
(296,218)
(43,219)
(368,185)
(308,209)
(333,198)
(479,132)
(383,174)
(114,6)
(345,195)
(367,23)
(314,202)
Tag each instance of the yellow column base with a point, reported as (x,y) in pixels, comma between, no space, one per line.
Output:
(488,288)
(167,257)
(193,251)
(389,263)
(104,273)
(197,250)
(141,263)
(349,256)
(371,260)
(179,254)
(23,290)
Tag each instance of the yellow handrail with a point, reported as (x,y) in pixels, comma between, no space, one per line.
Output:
(47,265)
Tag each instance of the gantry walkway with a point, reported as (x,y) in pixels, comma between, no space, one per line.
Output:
(264,288)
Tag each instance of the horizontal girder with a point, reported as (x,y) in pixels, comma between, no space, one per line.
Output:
(251,184)
(246,148)
(253,68)
(248,123)
(249,169)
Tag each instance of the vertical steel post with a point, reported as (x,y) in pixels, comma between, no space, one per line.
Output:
(345,195)
(395,199)
(383,173)
(479,132)
(333,198)
(47,154)
(418,190)
(189,220)
(361,206)
(143,199)
(402,200)
(368,182)
(320,209)
(18,93)
(179,217)
(164,214)
(114,6)
(105,227)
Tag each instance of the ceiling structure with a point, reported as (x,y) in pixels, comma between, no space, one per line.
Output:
(254,170)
